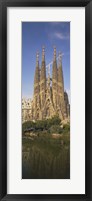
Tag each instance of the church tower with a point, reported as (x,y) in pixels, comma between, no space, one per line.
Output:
(67,104)
(54,80)
(36,88)
(49,97)
(43,79)
(61,102)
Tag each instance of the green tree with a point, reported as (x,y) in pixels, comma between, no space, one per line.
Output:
(28,124)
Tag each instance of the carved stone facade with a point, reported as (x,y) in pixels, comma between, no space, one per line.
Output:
(49,98)
(26,109)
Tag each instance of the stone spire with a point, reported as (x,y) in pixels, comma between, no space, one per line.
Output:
(43,78)
(43,54)
(54,54)
(54,69)
(36,101)
(37,60)
(43,66)
(54,79)
(60,73)
(67,104)
(61,101)
(37,70)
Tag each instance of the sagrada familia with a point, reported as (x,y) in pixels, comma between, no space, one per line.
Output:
(49,97)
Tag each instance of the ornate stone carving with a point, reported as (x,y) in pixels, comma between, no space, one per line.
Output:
(49,98)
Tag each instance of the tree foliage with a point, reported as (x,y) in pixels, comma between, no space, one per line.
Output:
(66,128)
(52,125)
(27,125)
(55,129)
(45,124)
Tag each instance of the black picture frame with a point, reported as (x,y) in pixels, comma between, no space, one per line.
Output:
(3,96)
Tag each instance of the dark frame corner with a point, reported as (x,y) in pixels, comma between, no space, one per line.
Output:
(3,96)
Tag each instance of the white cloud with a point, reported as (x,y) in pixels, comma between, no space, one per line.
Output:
(58,35)
(61,36)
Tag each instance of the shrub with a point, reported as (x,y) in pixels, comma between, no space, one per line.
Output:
(52,124)
(26,125)
(55,129)
(66,128)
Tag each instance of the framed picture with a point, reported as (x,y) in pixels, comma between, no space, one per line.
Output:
(45,82)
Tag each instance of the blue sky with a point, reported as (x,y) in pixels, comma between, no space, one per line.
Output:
(49,34)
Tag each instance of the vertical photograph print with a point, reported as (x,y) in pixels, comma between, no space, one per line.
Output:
(45,113)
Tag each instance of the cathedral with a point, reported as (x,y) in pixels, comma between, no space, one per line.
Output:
(49,98)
